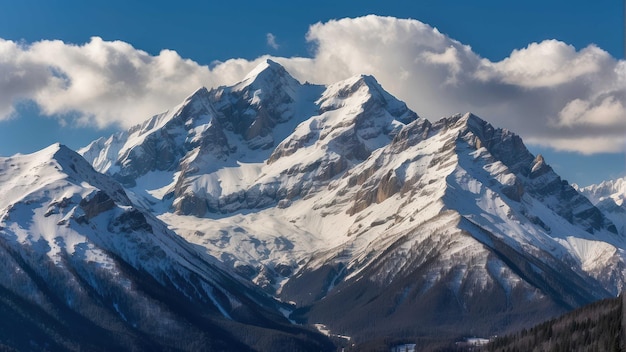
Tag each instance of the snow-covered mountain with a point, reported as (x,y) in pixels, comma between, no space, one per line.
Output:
(370,219)
(609,197)
(84,268)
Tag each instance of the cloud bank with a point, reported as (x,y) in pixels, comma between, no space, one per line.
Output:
(548,92)
(103,83)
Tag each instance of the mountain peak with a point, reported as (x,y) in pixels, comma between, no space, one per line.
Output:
(468,119)
(364,90)
(352,84)
(50,168)
(200,92)
(56,151)
(370,83)
(266,64)
(268,74)
(50,150)
(485,134)
(369,80)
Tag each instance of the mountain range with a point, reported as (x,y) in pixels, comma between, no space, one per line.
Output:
(250,213)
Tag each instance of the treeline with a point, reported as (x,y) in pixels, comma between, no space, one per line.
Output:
(595,327)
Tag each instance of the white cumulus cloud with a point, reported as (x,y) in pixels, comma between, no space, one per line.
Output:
(549,92)
(271,41)
(101,82)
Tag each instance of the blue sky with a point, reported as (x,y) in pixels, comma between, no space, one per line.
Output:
(208,31)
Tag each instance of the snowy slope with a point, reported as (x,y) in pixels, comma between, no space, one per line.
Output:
(614,189)
(609,197)
(343,201)
(73,245)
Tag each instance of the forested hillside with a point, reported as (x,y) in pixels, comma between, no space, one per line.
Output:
(595,327)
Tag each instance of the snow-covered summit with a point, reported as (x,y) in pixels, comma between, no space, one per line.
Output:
(614,189)
(267,76)
(24,176)
(364,90)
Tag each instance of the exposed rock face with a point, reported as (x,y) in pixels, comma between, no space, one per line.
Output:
(514,191)
(131,220)
(189,204)
(96,204)
(252,108)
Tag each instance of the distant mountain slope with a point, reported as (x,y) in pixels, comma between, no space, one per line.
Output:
(609,197)
(614,189)
(84,269)
(366,217)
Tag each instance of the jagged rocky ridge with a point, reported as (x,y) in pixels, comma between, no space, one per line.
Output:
(221,129)
(83,268)
(368,218)
(609,197)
